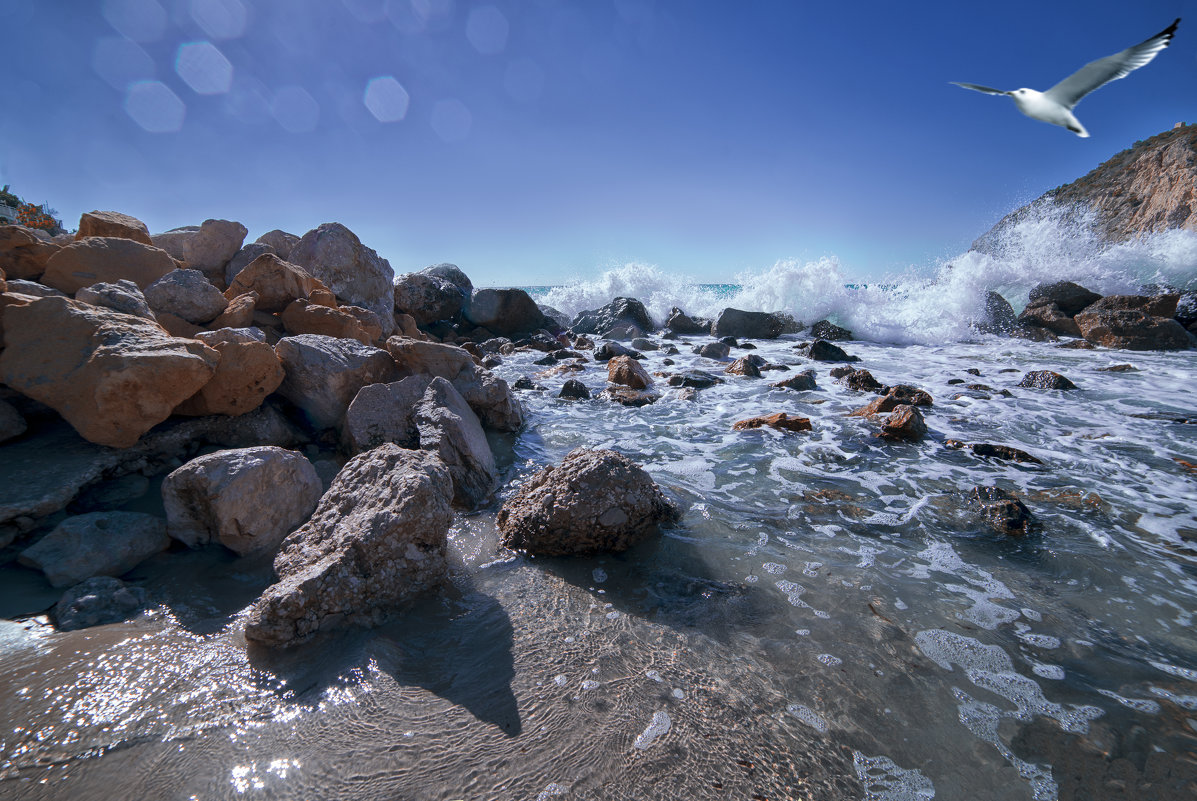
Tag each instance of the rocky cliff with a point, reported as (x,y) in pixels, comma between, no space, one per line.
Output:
(1147,188)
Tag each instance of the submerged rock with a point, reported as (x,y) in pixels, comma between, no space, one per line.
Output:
(1003,512)
(377,539)
(747,366)
(96,544)
(626,396)
(97,601)
(905,423)
(595,500)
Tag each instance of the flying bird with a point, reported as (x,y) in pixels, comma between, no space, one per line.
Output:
(1056,104)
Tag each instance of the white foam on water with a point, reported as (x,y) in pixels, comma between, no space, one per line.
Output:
(808,716)
(982,720)
(1188,702)
(551,791)
(1143,705)
(884,780)
(1180,672)
(657,728)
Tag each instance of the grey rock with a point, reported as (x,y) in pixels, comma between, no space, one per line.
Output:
(823,351)
(382,413)
(1069,297)
(427,298)
(96,602)
(23,287)
(453,274)
(281,241)
(122,296)
(186,294)
(12,424)
(626,317)
(448,428)
(825,329)
(356,274)
(713,350)
(753,325)
(212,246)
(506,312)
(96,544)
(323,374)
(997,315)
(573,389)
(1045,379)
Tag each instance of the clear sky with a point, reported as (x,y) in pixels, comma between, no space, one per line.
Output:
(530,141)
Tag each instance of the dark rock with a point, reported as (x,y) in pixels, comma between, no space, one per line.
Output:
(744,367)
(862,381)
(840,372)
(787,322)
(1118,368)
(640,343)
(713,350)
(823,351)
(1186,309)
(681,323)
(905,393)
(1045,379)
(573,389)
(1033,333)
(952,381)
(506,312)
(427,298)
(453,274)
(525,384)
(731,342)
(747,346)
(801,382)
(696,379)
(1002,511)
(609,350)
(625,316)
(96,602)
(997,315)
(1070,297)
(755,325)
(904,423)
(779,420)
(1132,330)
(1077,344)
(96,544)
(1005,452)
(824,329)
(626,396)
(1151,305)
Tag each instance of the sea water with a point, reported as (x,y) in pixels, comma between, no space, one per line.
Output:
(829,620)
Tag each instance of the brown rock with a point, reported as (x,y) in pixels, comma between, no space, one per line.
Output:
(323,297)
(355,273)
(304,317)
(176,326)
(1047,314)
(801,382)
(112,376)
(627,371)
(113,223)
(779,420)
(595,500)
(108,259)
(1151,305)
(238,314)
(745,366)
(861,381)
(277,282)
(22,254)
(1002,511)
(905,393)
(406,326)
(281,241)
(1132,329)
(626,396)
(367,319)
(882,405)
(248,371)
(905,423)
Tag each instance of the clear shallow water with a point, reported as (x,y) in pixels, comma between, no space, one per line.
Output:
(830,620)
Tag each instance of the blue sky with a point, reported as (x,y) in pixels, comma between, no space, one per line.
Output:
(534,141)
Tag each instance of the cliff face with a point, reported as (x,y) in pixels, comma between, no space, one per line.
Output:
(1147,188)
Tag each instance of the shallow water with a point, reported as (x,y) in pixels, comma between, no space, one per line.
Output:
(829,620)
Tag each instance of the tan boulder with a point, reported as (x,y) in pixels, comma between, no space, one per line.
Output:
(113,223)
(304,317)
(248,371)
(108,259)
(367,319)
(238,314)
(277,282)
(323,297)
(112,376)
(22,254)
(779,420)
(176,326)
(627,371)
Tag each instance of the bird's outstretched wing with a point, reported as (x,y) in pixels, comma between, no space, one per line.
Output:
(1097,74)
(976,87)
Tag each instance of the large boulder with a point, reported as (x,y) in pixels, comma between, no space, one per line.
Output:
(623,318)
(186,294)
(96,544)
(454,275)
(113,223)
(112,376)
(248,371)
(238,314)
(681,323)
(997,315)
(247,499)
(377,538)
(12,424)
(449,429)
(595,500)
(355,273)
(97,601)
(121,296)
(1069,297)
(753,325)
(627,371)
(825,329)
(427,298)
(108,259)
(22,253)
(489,396)
(323,374)
(304,317)
(243,257)
(1047,314)
(212,246)
(1132,329)
(505,312)
(278,283)
(280,241)
(1151,305)
(382,413)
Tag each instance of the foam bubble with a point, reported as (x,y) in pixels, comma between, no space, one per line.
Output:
(885,781)
(808,716)
(657,728)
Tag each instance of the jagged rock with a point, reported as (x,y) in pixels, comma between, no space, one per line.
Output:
(427,298)
(861,381)
(573,389)
(1033,333)
(212,246)
(377,538)
(823,351)
(713,350)
(22,254)
(238,314)
(97,601)
(824,329)
(323,374)
(1186,309)
(1045,379)
(779,420)
(595,500)
(801,382)
(488,395)
(186,294)
(243,257)
(356,274)
(681,323)
(278,283)
(304,317)
(12,424)
(626,396)
(247,499)
(506,312)
(627,371)
(754,325)
(625,316)
(450,430)
(611,350)
(1068,297)
(1047,314)
(789,325)
(96,544)
(1132,330)
(105,259)
(988,451)
(247,372)
(904,423)
(112,376)
(747,366)
(905,393)
(997,315)
(1151,305)
(176,326)
(1002,511)
(525,384)
(121,296)
(281,241)
(113,223)
(695,379)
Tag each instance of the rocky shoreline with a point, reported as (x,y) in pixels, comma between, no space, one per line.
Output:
(300,402)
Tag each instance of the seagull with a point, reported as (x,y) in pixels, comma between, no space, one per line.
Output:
(1056,104)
